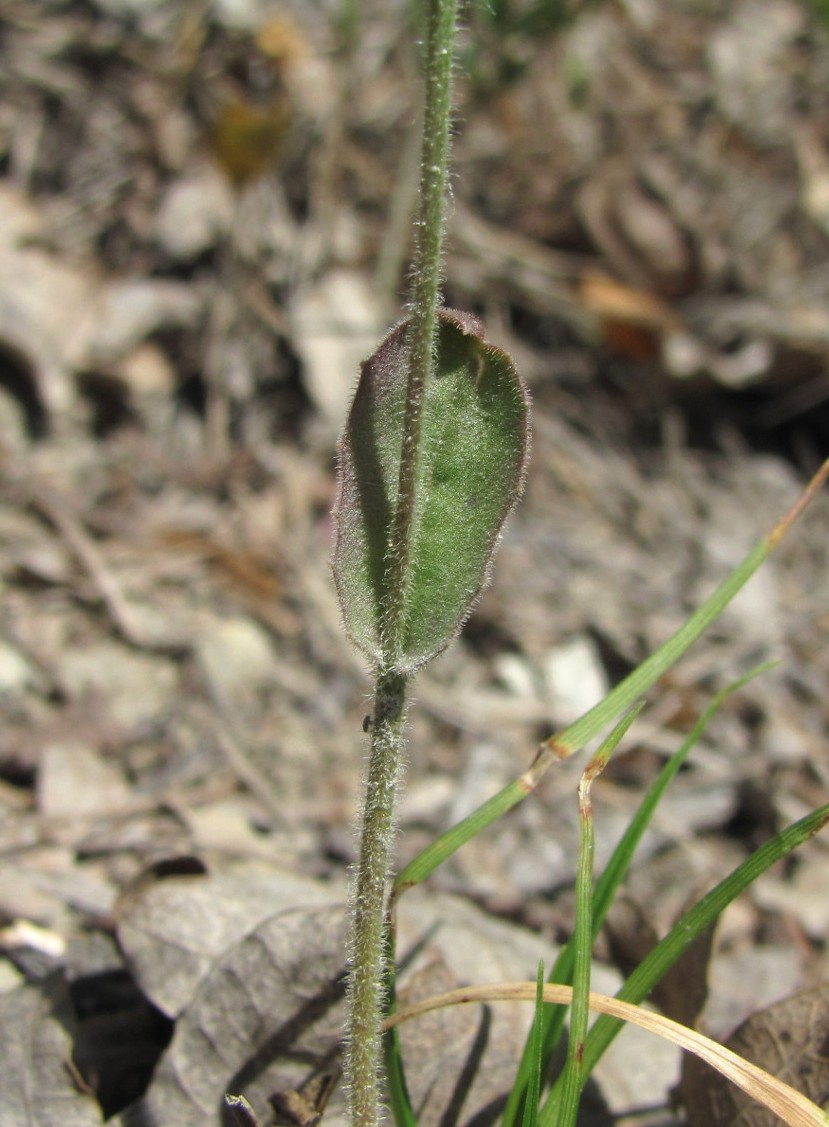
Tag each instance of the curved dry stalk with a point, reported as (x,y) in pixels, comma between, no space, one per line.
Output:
(790,1105)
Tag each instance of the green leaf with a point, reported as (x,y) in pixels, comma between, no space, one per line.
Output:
(663,956)
(606,889)
(571,1078)
(536,1039)
(565,743)
(397,1092)
(472,460)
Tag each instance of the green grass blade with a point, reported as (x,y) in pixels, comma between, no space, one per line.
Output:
(619,863)
(652,668)
(572,1081)
(396,1088)
(607,886)
(574,737)
(646,674)
(652,968)
(534,1090)
(450,842)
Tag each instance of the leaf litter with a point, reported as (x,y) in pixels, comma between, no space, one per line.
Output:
(166,480)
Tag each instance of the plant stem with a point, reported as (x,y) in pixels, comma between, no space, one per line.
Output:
(365,991)
(423,302)
(365,994)
(572,1079)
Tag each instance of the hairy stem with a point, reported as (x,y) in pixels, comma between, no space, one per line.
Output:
(365,996)
(365,992)
(424,297)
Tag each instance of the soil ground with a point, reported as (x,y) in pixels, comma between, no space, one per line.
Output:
(203,230)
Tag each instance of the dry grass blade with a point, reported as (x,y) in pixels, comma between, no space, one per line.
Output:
(792,1106)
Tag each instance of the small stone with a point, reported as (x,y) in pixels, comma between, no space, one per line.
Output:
(426,800)
(147,372)
(135,688)
(16,673)
(805,896)
(516,675)
(235,654)
(10,977)
(338,323)
(575,678)
(194,213)
(75,781)
(131,310)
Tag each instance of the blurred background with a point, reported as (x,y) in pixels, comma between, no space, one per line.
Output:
(204,228)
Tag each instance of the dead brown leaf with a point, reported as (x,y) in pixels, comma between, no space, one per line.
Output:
(789,1039)
(38,1086)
